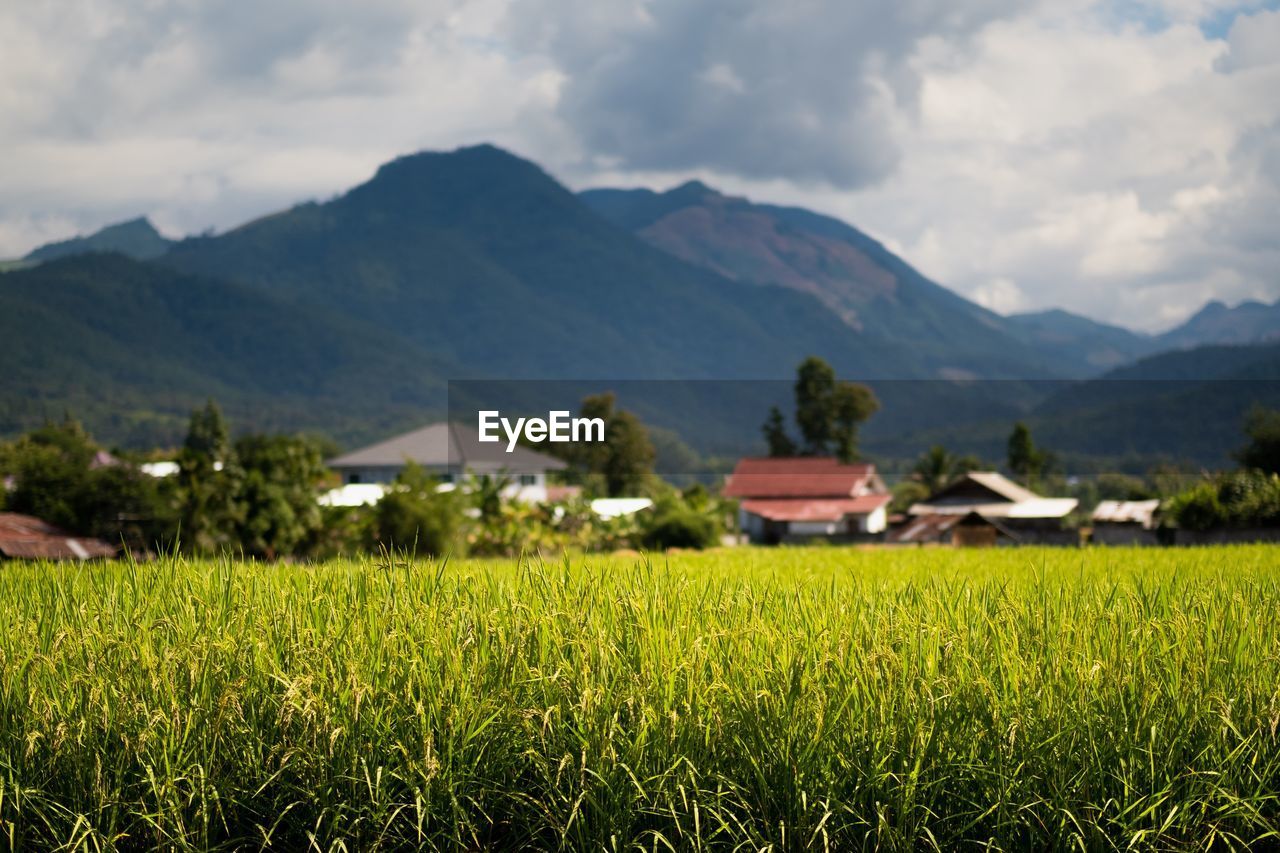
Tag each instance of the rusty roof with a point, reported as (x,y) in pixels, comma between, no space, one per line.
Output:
(27,537)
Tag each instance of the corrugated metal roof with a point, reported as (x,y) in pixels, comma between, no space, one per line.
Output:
(1035,508)
(798,477)
(811,509)
(924,528)
(1130,512)
(447,444)
(27,537)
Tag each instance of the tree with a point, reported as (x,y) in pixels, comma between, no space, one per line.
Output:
(415,516)
(620,465)
(50,468)
(60,477)
(1025,460)
(937,467)
(277,493)
(775,434)
(208,484)
(1262,426)
(851,405)
(629,467)
(814,388)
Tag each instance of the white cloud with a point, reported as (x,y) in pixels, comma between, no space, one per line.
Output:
(1111,158)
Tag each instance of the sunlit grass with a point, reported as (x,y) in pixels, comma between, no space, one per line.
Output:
(827,698)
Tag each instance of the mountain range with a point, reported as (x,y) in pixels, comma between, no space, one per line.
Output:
(348,316)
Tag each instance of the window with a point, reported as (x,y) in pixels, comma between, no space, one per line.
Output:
(528,479)
(353,478)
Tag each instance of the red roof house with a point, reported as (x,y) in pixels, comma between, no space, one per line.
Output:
(807,497)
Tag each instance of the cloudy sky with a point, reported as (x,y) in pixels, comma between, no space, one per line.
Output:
(1119,159)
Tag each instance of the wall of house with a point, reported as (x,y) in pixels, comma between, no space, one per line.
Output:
(531,486)
(813,528)
(874,522)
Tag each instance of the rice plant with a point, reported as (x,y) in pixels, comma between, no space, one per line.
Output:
(788,699)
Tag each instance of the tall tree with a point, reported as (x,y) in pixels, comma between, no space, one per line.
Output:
(629,468)
(208,484)
(814,389)
(620,465)
(851,405)
(1025,460)
(277,493)
(775,434)
(1262,452)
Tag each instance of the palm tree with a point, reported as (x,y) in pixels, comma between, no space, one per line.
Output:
(937,467)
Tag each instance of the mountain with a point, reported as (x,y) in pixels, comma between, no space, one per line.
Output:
(1186,406)
(1099,346)
(1215,323)
(131,348)
(484,257)
(873,292)
(136,239)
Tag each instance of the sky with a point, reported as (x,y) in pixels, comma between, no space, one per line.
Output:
(1118,159)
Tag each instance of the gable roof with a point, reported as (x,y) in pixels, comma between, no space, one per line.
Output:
(25,536)
(996,485)
(800,477)
(447,445)
(992,495)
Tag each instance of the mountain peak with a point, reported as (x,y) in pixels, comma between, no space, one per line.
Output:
(136,238)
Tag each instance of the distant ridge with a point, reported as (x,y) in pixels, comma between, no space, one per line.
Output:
(136,238)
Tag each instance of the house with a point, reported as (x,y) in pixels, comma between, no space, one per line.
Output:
(27,537)
(449,451)
(1021,514)
(967,531)
(785,499)
(1125,522)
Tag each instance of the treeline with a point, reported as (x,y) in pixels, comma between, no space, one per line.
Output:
(257,495)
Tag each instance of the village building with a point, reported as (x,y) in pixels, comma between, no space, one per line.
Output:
(799,498)
(1016,513)
(449,451)
(25,537)
(1125,522)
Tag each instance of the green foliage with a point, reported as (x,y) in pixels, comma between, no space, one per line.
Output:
(277,493)
(1245,498)
(58,478)
(815,385)
(732,700)
(692,519)
(938,467)
(775,435)
(1123,487)
(906,493)
(417,518)
(1263,449)
(851,405)
(1025,460)
(621,465)
(209,480)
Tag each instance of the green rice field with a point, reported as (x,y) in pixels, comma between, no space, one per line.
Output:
(742,699)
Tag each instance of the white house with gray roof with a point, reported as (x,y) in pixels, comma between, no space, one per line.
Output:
(449,451)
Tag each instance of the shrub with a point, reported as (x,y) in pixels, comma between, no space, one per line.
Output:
(678,526)
(414,516)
